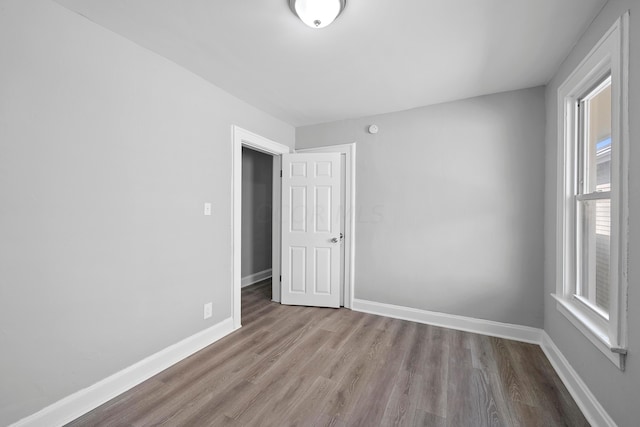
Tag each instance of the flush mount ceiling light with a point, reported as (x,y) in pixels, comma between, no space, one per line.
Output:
(317,13)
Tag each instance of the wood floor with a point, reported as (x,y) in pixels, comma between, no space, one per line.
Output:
(302,366)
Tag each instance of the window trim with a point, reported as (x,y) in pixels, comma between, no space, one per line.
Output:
(610,55)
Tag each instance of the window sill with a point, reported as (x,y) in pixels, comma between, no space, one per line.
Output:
(593,330)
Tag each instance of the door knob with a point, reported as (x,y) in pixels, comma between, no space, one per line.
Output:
(336,240)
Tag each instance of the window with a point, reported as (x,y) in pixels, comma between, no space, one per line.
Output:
(592,194)
(593,198)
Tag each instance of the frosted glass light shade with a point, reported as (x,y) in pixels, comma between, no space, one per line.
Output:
(317,13)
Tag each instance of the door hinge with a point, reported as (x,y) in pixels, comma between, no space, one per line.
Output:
(281,174)
(281,278)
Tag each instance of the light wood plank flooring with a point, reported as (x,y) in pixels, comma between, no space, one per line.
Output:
(305,366)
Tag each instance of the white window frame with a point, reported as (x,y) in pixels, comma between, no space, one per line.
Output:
(610,55)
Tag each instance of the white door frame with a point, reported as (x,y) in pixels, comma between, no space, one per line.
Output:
(243,138)
(349,150)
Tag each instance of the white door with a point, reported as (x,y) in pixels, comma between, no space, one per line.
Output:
(311,229)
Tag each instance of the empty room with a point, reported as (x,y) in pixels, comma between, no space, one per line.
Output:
(319,213)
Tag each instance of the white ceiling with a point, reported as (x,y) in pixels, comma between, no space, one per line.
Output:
(378,56)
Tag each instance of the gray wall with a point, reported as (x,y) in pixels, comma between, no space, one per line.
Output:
(617,391)
(257,183)
(450,205)
(107,154)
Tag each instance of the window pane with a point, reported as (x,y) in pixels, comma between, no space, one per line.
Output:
(596,108)
(594,252)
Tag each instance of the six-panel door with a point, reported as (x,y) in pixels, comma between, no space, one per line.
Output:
(311,236)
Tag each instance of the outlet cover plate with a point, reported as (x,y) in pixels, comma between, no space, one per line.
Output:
(208,310)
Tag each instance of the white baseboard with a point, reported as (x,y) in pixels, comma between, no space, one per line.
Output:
(83,401)
(451,321)
(255,278)
(586,401)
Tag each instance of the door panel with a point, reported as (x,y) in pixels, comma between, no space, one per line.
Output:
(311,238)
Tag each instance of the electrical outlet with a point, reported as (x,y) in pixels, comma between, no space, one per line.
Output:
(208,310)
(207,209)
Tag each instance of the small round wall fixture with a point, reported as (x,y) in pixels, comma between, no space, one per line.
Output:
(373,129)
(317,13)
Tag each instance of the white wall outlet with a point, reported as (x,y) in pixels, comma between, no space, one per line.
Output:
(207,209)
(208,310)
